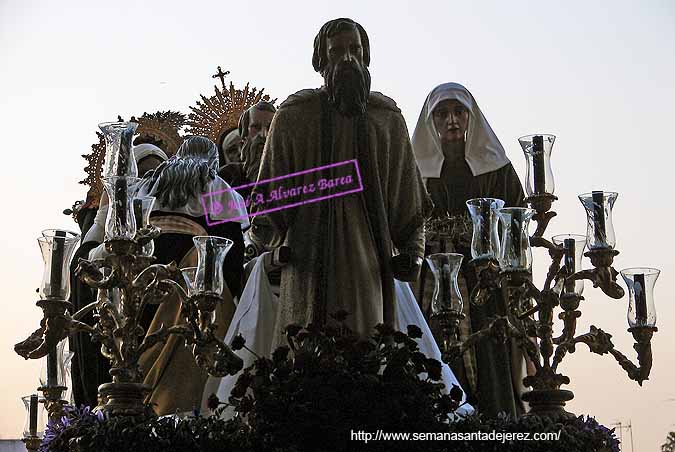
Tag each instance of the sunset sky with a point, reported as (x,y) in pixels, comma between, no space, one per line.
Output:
(599,75)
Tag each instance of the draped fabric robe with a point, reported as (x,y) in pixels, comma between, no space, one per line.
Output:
(342,246)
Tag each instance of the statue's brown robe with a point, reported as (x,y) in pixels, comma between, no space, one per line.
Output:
(341,247)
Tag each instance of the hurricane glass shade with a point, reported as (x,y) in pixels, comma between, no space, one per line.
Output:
(189,275)
(119,156)
(485,238)
(142,209)
(57,247)
(445,268)
(55,367)
(515,253)
(640,282)
(573,245)
(600,230)
(537,149)
(211,252)
(120,224)
(34,424)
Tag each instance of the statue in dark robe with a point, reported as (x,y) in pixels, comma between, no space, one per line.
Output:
(346,250)
(461,158)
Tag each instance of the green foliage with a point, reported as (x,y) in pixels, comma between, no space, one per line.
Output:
(314,394)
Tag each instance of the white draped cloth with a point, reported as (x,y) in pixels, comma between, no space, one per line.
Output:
(256,315)
(254,319)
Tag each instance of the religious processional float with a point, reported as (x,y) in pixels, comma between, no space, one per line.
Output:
(310,394)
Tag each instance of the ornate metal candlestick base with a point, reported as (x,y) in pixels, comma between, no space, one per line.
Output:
(125,399)
(549,403)
(53,402)
(32,443)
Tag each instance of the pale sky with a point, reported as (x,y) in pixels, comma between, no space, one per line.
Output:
(599,75)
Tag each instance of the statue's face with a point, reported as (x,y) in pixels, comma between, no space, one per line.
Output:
(252,149)
(346,77)
(231,153)
(451,120)
(259,123)
(345,46)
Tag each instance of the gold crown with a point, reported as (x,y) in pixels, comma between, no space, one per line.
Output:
(213,116)
(161,129)
(94,170)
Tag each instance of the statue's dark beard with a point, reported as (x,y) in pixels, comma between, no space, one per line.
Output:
(348,86)
(251,154)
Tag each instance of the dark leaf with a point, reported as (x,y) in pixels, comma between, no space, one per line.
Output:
(456,393)
(434,368)
(213,402)
(280,354)
(399,337)
(384,329)
(238,342)
(414,331)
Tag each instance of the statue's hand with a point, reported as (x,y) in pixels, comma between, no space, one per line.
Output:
(406,267)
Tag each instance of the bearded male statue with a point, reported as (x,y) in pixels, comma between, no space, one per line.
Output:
(346,250)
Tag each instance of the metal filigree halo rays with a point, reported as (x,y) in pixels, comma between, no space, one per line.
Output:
(214,115)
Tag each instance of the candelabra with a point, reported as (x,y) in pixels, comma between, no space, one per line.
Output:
(503,265)
(128,280)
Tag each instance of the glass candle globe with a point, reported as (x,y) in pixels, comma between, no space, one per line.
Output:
(573,245)
(189,275)
(600,230)
(485,238)
(120,224)
(211,253)
(119,156)
(515,252)
(57,247)
(445,268)
(142,208)
(640,282)
(537,149)
(34,425)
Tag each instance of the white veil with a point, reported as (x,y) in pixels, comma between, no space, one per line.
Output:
(483,152)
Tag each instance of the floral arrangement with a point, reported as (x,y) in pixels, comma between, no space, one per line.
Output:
(317,394)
